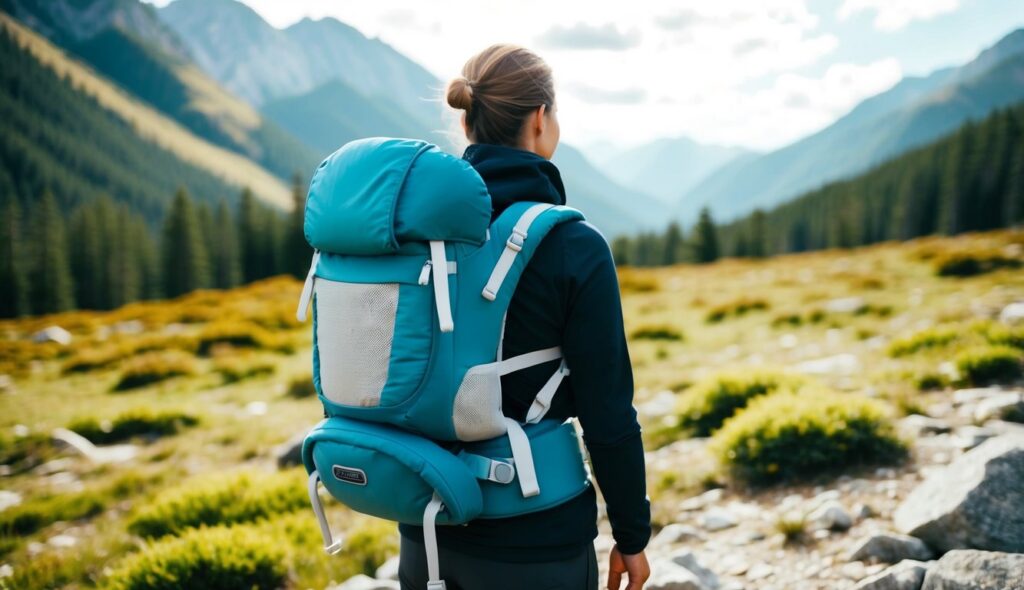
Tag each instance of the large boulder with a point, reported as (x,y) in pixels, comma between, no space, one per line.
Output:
(974,503)
(906,575)
(976,570)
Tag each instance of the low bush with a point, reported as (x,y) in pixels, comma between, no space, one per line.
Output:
(235,369)
(33,515)
(22,453)
(222,499)
(793,436)
(989,364)
(632,281)
(206,558)
(972,263)
(923,340)
(239,335)
(154,367)
(1002,335)
(302,387)
(710,402)
(657,332)
(140,422)
(931,381)
(92,359)
(737,308)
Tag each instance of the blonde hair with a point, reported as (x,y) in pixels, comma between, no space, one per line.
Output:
(498,88)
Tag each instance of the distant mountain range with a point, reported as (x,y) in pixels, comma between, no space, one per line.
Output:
(916,111)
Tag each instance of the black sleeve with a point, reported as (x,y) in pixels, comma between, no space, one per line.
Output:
(601,376)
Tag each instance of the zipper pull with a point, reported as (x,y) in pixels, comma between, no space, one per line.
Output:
(307,288)
(425,273)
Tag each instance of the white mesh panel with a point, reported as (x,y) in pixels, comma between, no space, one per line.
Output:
(477,410)
(355,328)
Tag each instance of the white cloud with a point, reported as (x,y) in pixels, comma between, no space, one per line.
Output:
(893,15)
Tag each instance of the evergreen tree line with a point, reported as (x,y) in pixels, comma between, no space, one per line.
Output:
(971,180)
(104,254)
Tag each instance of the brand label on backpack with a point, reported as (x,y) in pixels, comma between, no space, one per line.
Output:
(350,475)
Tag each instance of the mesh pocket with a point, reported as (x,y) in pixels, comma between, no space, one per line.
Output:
(477,410)
(355,329)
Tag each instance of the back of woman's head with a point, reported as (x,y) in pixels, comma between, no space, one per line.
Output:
(498,88)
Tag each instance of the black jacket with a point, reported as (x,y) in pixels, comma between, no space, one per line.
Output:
(568,295)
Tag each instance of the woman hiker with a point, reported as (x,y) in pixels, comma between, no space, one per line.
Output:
(568,296)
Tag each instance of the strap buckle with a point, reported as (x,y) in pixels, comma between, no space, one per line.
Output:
(516,240)
(501,471)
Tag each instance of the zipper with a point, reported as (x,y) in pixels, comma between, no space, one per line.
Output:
(425,273)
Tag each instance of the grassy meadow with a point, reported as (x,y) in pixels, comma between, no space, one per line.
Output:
(771,358)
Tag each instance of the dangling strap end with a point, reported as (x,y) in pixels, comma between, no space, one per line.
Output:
(307,289)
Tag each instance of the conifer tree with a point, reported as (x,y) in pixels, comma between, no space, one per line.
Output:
(224,253)
(186,266)
(705,238)
(252,237)
(51,285)
(756,244)
(621,249)
(673,245)
(297,251)
(14,294)
(148,260)
(87,256)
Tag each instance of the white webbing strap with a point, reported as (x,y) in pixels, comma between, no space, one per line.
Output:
(307,288)
(542,403)
(439,266)
(330,545)
(530,359)
(434,581)
(512,247)
(522,456)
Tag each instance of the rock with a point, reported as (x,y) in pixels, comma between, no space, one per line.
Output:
(9,499)
(969,437)
(840,364)
(976,570)
(257,408)
(52,334)
(62,541)
(759,571)
(660,404)
(845,305)
(129,327)
(6,570)
(81,445)
(717,519)
(863,511)
(906,575)
(688,560)
(676,533)
(974,502)
(1012,313)
(919,425)
(832,516)
(388,570)
(289,453)
(364,582)
(1000,407)
(668,575)
(701,501)
(890,548)
(973,395)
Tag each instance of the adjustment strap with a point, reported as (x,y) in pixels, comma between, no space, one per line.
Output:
(542,403)
(330,545)
(512,247)
(307,288)
(530,359)
(434,581)
(522,454)
(439,267)
(496,470)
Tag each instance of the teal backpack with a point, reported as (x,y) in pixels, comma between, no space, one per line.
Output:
(409,285)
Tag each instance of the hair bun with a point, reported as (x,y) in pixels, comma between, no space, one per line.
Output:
(460,94)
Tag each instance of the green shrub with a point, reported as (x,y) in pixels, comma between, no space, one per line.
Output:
(787,319)
(929,381)
(154,367)
(634,281)
(302,387)
(710,402)
(791,436)
(659,332)
(972,263)
(222,499)
(25,452)
(989,364)
(1001,335)
(235,369)
(206,558)
(140,422)
(239,335)
(923,340)
(33,515)
(737,308)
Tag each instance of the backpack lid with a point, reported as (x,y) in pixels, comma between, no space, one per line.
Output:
(372,195)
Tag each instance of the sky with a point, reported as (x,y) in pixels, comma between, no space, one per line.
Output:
(753,73)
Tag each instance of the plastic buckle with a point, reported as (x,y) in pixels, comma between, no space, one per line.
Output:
(501,472)
(515,241)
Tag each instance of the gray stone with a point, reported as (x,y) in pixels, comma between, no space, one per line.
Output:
(906,575)
(1012,313)
(688,560)
(52,334)
(969,437)
(973,503)
(668,575)
(717,519)
(364,582)
(289,453)
(699,502)
(976,570)
(890,548)
(388,570)
(974,394)
(676,533)
(9,499)
(919,425)
(830,516)
(1000,407)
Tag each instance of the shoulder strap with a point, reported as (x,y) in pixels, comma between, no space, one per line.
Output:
(521,226)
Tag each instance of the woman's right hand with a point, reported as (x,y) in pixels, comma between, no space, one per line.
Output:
(634,566)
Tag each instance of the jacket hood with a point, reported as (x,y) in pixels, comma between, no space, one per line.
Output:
(514,175)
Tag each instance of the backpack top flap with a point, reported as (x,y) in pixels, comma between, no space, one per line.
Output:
(372,195)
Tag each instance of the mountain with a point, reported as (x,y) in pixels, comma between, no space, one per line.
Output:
(81,135)
(316,118)
(913,113)
(668,167)
(614,209)
(260,63)
(131,51)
